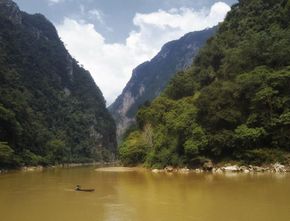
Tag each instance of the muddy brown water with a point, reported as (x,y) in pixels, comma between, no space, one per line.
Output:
(142,196)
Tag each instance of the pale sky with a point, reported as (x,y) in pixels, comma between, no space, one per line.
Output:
(111,37)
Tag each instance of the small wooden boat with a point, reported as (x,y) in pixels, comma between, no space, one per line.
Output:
(86,190)
(78,188)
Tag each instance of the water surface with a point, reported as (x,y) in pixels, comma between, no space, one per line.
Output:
(142,196)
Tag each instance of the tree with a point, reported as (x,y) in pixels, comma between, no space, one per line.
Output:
(6,153)
(133,149)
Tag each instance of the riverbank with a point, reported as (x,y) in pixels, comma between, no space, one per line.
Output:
(206,168)
(71,165)
(66,165)
(228,168)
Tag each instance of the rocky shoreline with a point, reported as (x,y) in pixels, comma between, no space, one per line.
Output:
(210,168)
(3,171)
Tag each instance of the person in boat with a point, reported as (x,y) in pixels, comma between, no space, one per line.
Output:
(78,188)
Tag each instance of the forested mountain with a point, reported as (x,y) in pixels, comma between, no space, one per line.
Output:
(233,104)
(151,77)
(51,111)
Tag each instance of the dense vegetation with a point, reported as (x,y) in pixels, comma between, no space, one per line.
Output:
(234,102)
(150,78)
(51,111)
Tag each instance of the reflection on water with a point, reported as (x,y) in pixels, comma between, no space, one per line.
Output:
(142,196)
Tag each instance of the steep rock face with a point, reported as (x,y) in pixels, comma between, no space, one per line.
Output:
(10,10)
(51,111)
(150,78)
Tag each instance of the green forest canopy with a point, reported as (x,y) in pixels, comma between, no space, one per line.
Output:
(232,104)
(51,111)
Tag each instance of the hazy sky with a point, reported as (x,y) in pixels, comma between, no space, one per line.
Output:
(111,37)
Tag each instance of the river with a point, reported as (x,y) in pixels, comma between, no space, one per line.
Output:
(142,196)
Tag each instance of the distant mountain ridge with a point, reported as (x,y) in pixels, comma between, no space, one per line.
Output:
(51,111)
(151,77)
